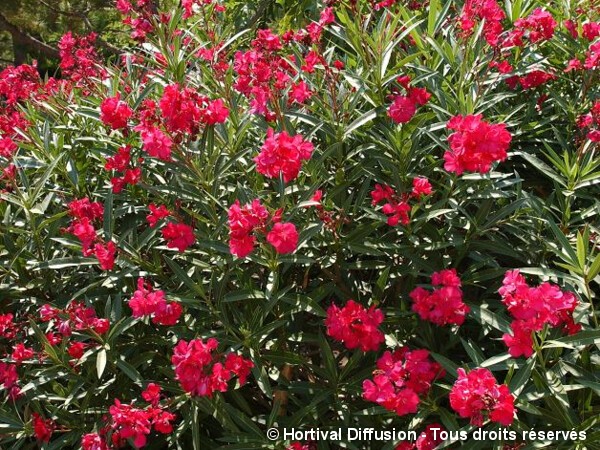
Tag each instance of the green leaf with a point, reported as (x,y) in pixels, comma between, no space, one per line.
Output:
(184,278)
(100,362)
(523,375)
(587,337)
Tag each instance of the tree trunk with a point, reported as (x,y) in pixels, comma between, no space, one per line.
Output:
(22,41)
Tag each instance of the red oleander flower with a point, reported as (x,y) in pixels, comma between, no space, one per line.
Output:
(152,393)
(215,112)
(282,154)
(299,93)
(476,395)
(43,428)
(156,143)
(591,30)
(402,109)
(396,208)
(427,439)
(130,422)
(475,144)
(148,302)
(487,11)
(297,446)
(93,441)
(201,371)
(421,187)
(535,78)
(157,213)
(532,308)
(167,314)
(120,161)
(381,193)
(83,208)
(145,299)
(243,220)
(539,25)
(106,255)
(400,378)
(9,378)
(8,328)
(444,305)
(179,236)
(520,342)
(76,350)
(7,147)
(284,237)
(355,326)
(115,112)
(180,110)
(590,122)
(21,353)
(80,62)
(82,318)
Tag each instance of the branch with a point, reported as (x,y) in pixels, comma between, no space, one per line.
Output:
(260,11)
(27,39)
(64,13)
(83,16)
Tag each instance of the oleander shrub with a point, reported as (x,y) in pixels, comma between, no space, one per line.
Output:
(384,217)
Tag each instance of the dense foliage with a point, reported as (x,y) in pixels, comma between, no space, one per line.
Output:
(385,219)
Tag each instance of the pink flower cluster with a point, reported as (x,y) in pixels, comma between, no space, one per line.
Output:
(182,113)
(8,328)
(19,83)
(80,62)
(21,353)
(42,428)
(115,113)
(157,213)
(532,308)
(404,107)
(400,378)
(201,371)
(155,142)
(539,26)
(120,162)
(487,11)
(9,380)
(84,214)
(138,15)
(311,34)
(475,144)
(591,123)
(444,305)
(476,395)
(355,326)
(262,74)
(397,206)
(531,79)
(178,235)
(282,154)
(184,110)
(132,422)
(75,316)
(252,218)
(146,302)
